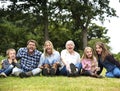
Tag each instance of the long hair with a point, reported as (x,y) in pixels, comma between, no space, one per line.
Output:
(105,51)
(84,56)
(51,44)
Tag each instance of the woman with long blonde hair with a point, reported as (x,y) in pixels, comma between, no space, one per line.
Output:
(49,61)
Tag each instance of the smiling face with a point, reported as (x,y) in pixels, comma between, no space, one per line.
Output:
(88,53)
(70,46)
(11,53)
(48,48)
(99,50)
(31,47)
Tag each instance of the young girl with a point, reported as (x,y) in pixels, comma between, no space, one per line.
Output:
(89,63)
(9,63)
(106,60)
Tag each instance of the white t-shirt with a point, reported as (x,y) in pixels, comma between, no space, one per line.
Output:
(68,58)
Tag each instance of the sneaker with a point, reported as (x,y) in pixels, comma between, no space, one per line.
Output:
(97,76)
(45,72)
(22,75)
(3,74)
(100,76)
(73,68)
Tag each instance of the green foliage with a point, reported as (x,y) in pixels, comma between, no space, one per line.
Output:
(57,20)
(117,57)
(95,31)
(1,58)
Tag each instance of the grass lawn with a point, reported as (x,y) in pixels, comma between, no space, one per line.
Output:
(59,83)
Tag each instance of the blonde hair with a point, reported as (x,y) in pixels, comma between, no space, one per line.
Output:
(11,49)
(45,51)
(105,51)
(84,56)
(93,58)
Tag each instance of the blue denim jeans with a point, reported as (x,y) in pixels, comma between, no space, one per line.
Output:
(8,70)
(114,73)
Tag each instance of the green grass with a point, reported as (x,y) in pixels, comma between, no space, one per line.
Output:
(59,83)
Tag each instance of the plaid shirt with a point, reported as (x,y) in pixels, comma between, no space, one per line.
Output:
(28,62)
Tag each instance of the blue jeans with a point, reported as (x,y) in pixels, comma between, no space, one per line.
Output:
(50,63)
(114,73)
(65,72)
(7,70)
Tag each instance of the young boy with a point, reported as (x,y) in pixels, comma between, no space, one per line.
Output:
(9,63)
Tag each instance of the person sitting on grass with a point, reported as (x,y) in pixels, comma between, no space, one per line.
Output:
(89,63)
(107,60)
(9,63)
(29,59)
(70,60)
(49,61)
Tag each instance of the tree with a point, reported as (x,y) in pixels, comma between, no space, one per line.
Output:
(56,20)
(97,32)
(84,11)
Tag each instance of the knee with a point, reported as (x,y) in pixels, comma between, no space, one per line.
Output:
(116,72)
(36,71)
(11,66)
(46,66)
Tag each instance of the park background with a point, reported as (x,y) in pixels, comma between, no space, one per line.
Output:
(58,21)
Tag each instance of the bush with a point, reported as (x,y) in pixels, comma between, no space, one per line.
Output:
(1,58)
(117,57)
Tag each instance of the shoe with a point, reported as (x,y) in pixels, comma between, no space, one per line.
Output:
(3,74)
(73,68)
(100,76)
(29,73)
(97,76)
(45,72)
(52,71)
(22,75)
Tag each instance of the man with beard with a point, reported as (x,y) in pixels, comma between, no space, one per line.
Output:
(29,59)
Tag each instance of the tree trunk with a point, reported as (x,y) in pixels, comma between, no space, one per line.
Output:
(46,29)
(84,32)
(45,15)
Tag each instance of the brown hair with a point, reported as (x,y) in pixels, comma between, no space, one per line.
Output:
(32,41)
(105,51)
(84,53)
